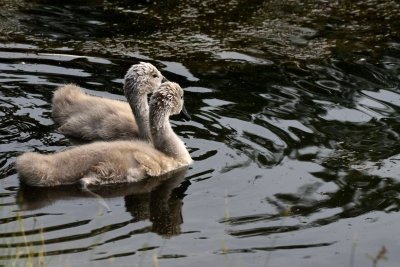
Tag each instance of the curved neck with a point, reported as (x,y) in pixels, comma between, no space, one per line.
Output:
(164,138)
(140,109)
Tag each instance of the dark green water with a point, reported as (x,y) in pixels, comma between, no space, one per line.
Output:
(295,132)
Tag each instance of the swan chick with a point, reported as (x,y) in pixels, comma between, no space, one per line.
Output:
(116,161)
(89,117)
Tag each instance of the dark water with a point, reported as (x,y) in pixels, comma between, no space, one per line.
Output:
(295,132)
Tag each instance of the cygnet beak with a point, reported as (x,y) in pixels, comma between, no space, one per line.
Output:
(184,114)
(164,80)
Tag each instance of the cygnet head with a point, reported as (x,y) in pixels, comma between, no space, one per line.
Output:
(168,100)
(142,78)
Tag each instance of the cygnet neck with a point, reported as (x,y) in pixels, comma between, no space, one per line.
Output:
(137,99)
(164,138)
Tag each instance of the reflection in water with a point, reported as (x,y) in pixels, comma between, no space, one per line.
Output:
(153,199)
(358,195)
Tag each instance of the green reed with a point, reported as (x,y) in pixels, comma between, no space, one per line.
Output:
(224,243)
(380,256)
(25,254)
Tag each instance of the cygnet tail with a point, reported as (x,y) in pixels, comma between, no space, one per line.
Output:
(39,170)
(63,102)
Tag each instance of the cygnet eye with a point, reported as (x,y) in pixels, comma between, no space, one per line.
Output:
(155,76)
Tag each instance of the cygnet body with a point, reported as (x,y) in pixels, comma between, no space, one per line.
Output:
(90,118)
(117,161)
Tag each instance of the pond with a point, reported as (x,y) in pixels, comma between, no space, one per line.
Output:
(295,132)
